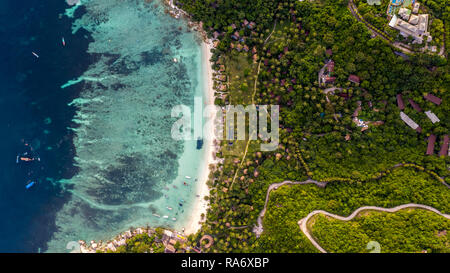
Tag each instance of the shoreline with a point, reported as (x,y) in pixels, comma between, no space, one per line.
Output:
(194,220)
(201,205)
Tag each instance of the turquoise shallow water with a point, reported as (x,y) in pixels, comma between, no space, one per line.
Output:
(129,167)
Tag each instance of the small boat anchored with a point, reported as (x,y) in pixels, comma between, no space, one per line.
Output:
(30,184)
(199,143)
(35,55)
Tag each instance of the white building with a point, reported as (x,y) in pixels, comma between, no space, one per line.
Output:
(409,121)
(416,27)
(432,116)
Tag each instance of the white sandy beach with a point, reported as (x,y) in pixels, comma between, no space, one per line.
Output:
(201,204)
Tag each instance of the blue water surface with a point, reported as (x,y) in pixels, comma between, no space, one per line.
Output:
(34,110)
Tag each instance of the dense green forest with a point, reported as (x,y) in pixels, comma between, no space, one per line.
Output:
(407,230)
(289,204)
(320,140)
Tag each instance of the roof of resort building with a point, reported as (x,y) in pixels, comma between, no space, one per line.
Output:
(329,52)
(393,21)
(423,23)
(404,13)
(416,28)
(416,8)
(415,105)
(413,20)
(353,78)
(410,122)
(432,116)
(431,141)
(444,148)
(400,103)
(433,99)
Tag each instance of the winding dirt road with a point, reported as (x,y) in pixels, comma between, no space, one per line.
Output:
(303,223)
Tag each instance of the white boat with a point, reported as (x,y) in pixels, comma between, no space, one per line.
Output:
(174,219)
(165,216)
(188,177)
(154,214)
(169,208)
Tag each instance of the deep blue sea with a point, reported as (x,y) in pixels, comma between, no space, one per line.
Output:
(33,110)
(98,114)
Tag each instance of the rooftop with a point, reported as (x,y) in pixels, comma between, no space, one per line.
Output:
(353,78)
(415,105)
(433,99)
(432,116)
(400,103)
(431,141)
(410,122)
(444,147)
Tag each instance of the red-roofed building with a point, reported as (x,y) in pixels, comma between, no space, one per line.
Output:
(400,103)
(330,66)
(444,147)
(415,105)
(353,79)
(329,52)
(431,141)
(330,79)
(433,99)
